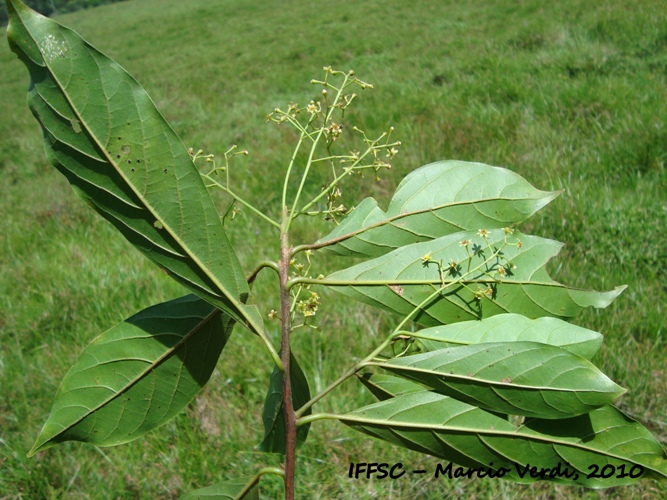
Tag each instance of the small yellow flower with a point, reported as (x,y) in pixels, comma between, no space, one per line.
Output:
(508,230)
(426,258)
(273,314)
(313,108)
(335,129)
(464,243)
(309,307)
(519,244)
(483,233)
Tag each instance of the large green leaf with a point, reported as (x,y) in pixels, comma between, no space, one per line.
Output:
(435,200)
(446,428)
(386,386)
(273,415)
(103,132)
(137,375)
(511,328)
(401,280)
(520,378)
(242,488)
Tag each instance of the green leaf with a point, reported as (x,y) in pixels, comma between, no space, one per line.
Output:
(273,415)
(616,438)
(512,328)
(103,132)
(137,375)
(519,378)
(436,200)
(242,488)
(385,386)
(405,278)
(452,430)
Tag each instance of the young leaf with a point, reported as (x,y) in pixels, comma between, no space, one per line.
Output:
(273,414)
(137,375)
(103,132)
(479,285)
(518,378)
(512,328)
(242,488)
(444,427)
(436,200)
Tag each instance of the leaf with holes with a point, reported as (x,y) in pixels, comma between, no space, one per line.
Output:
(104,134)
(455,431)
(518,378)
(137,375)
(436,200)
(445,282)
(512,328)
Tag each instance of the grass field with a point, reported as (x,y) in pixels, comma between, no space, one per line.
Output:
(572,95)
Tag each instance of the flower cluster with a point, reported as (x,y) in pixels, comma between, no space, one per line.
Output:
(309,306)
(488,274)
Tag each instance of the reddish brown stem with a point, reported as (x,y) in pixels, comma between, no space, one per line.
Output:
(288,407)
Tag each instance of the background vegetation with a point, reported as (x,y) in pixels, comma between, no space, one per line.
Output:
(50,7)
(569,94)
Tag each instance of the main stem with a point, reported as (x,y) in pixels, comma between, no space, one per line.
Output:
(288,407)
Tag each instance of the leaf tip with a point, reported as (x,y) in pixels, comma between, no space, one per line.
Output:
(43,441)
(606,298)
(555,194)
(612,294)
(35,448)
(547,197)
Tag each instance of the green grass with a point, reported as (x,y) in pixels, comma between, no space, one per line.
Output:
(568,94)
